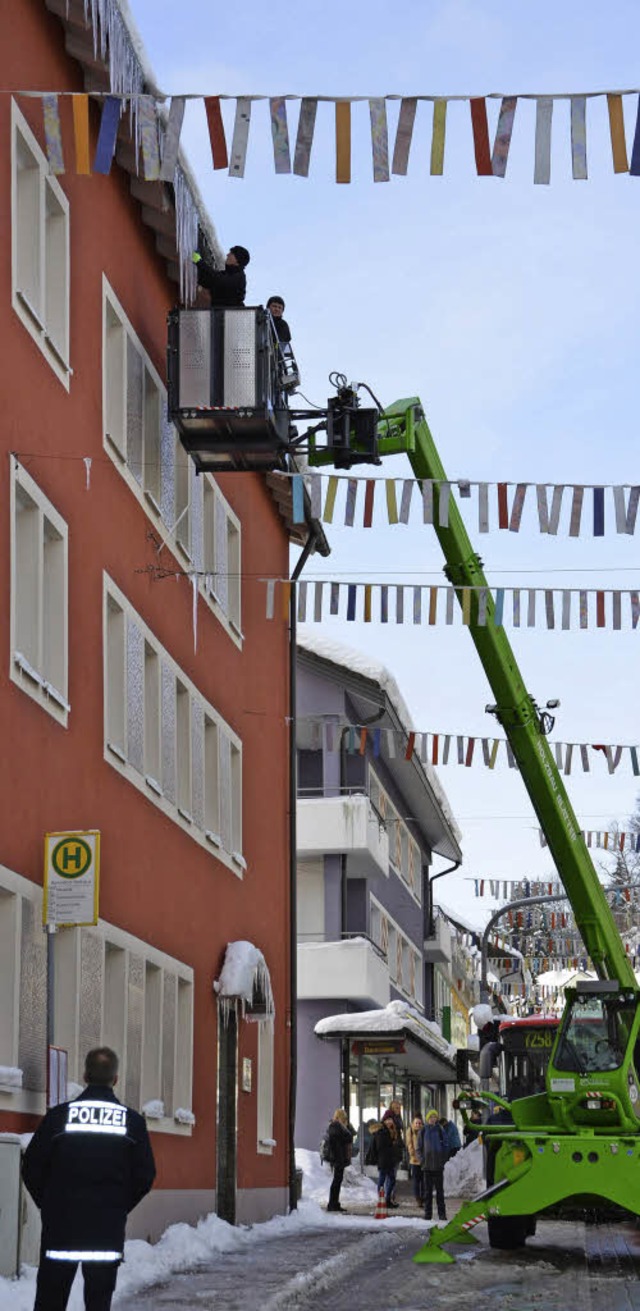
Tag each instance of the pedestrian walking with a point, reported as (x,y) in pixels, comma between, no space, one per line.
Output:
(415,1163)
(340,1136)
(88,1164)
(433,1154)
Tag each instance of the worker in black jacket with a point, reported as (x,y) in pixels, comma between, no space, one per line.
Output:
(88,1164)
(228,286)
(275,305)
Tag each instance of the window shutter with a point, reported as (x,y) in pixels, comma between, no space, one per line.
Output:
(135,696)
(134,410)
(168,733)
(197,763)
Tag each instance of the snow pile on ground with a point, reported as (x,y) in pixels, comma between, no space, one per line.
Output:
(464,1173)
(316,1181)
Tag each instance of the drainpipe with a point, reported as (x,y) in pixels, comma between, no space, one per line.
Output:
(293,869)
(430,929)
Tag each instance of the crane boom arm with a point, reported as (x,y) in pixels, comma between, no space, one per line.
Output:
(403,427)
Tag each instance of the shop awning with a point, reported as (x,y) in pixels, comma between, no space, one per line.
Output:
(399,1035)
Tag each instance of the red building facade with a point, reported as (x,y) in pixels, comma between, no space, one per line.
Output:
(142,692)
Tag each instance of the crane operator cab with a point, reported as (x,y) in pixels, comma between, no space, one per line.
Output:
(228,387)
(596,1058)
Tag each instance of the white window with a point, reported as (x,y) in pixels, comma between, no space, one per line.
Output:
(222,555)
(151,1049)
(183,750)
(39,595)
(115,997)
(194,518)
(133,400)
(183,756)
(182,1093)
(152,717)
(265,1087)
(182,500)
(39,247)
(9,977)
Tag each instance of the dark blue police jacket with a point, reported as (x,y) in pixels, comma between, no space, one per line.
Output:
(88,1164)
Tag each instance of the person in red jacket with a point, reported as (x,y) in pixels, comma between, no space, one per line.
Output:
(88,1164)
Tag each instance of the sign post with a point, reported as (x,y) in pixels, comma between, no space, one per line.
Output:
(70,900)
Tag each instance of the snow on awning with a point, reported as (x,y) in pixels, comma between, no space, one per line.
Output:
(245,980)
(428,1055)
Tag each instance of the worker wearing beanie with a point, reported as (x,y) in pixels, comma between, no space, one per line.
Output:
(228,286)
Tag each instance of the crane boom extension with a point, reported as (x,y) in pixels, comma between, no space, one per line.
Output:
(403,427)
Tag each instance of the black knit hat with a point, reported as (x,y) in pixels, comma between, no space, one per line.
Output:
(242,255)
(277,299)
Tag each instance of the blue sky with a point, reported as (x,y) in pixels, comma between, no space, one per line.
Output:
(509,308)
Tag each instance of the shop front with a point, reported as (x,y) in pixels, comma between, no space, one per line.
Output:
(390,1055)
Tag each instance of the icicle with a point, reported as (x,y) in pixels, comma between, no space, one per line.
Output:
(194,585)
(87,465)
(186,237)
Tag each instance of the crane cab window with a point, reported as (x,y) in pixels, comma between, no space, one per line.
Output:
(595,1033)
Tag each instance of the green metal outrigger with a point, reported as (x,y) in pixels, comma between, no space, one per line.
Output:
(580,1139)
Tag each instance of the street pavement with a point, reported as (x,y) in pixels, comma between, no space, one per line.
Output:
(567,1266)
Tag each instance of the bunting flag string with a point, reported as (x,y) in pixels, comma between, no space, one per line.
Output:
(490,160)
(479,606)
(540,916)
(326,491)
(452,748)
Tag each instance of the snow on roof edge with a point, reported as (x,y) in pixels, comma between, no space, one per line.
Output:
(348,657)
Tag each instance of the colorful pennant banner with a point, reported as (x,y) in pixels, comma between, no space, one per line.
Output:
(606,841)
(352,501)
(455,748)
(489,145)
(562,608)
(521,889)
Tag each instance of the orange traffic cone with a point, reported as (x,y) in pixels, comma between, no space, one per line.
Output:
(381,1212)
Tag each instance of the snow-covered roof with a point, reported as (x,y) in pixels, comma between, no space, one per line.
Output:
(346,657)
(397,1017)
(244,974)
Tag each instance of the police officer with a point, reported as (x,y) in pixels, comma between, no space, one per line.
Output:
(88,1164)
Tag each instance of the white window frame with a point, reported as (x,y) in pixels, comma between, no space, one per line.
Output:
(31,670)
(118,338)
(120,945)
(50,251)
(264,1110)
(220,522)
(116,608)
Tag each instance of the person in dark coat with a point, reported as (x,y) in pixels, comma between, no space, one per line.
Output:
(433,1153)
(275,305)
(386,1156)
(228,286)
(451,1134)
(88,1164)
(340,1147)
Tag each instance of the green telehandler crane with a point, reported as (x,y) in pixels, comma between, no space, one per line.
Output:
(579,1141)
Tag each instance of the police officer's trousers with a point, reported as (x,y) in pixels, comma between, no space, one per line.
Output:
(56,1277)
